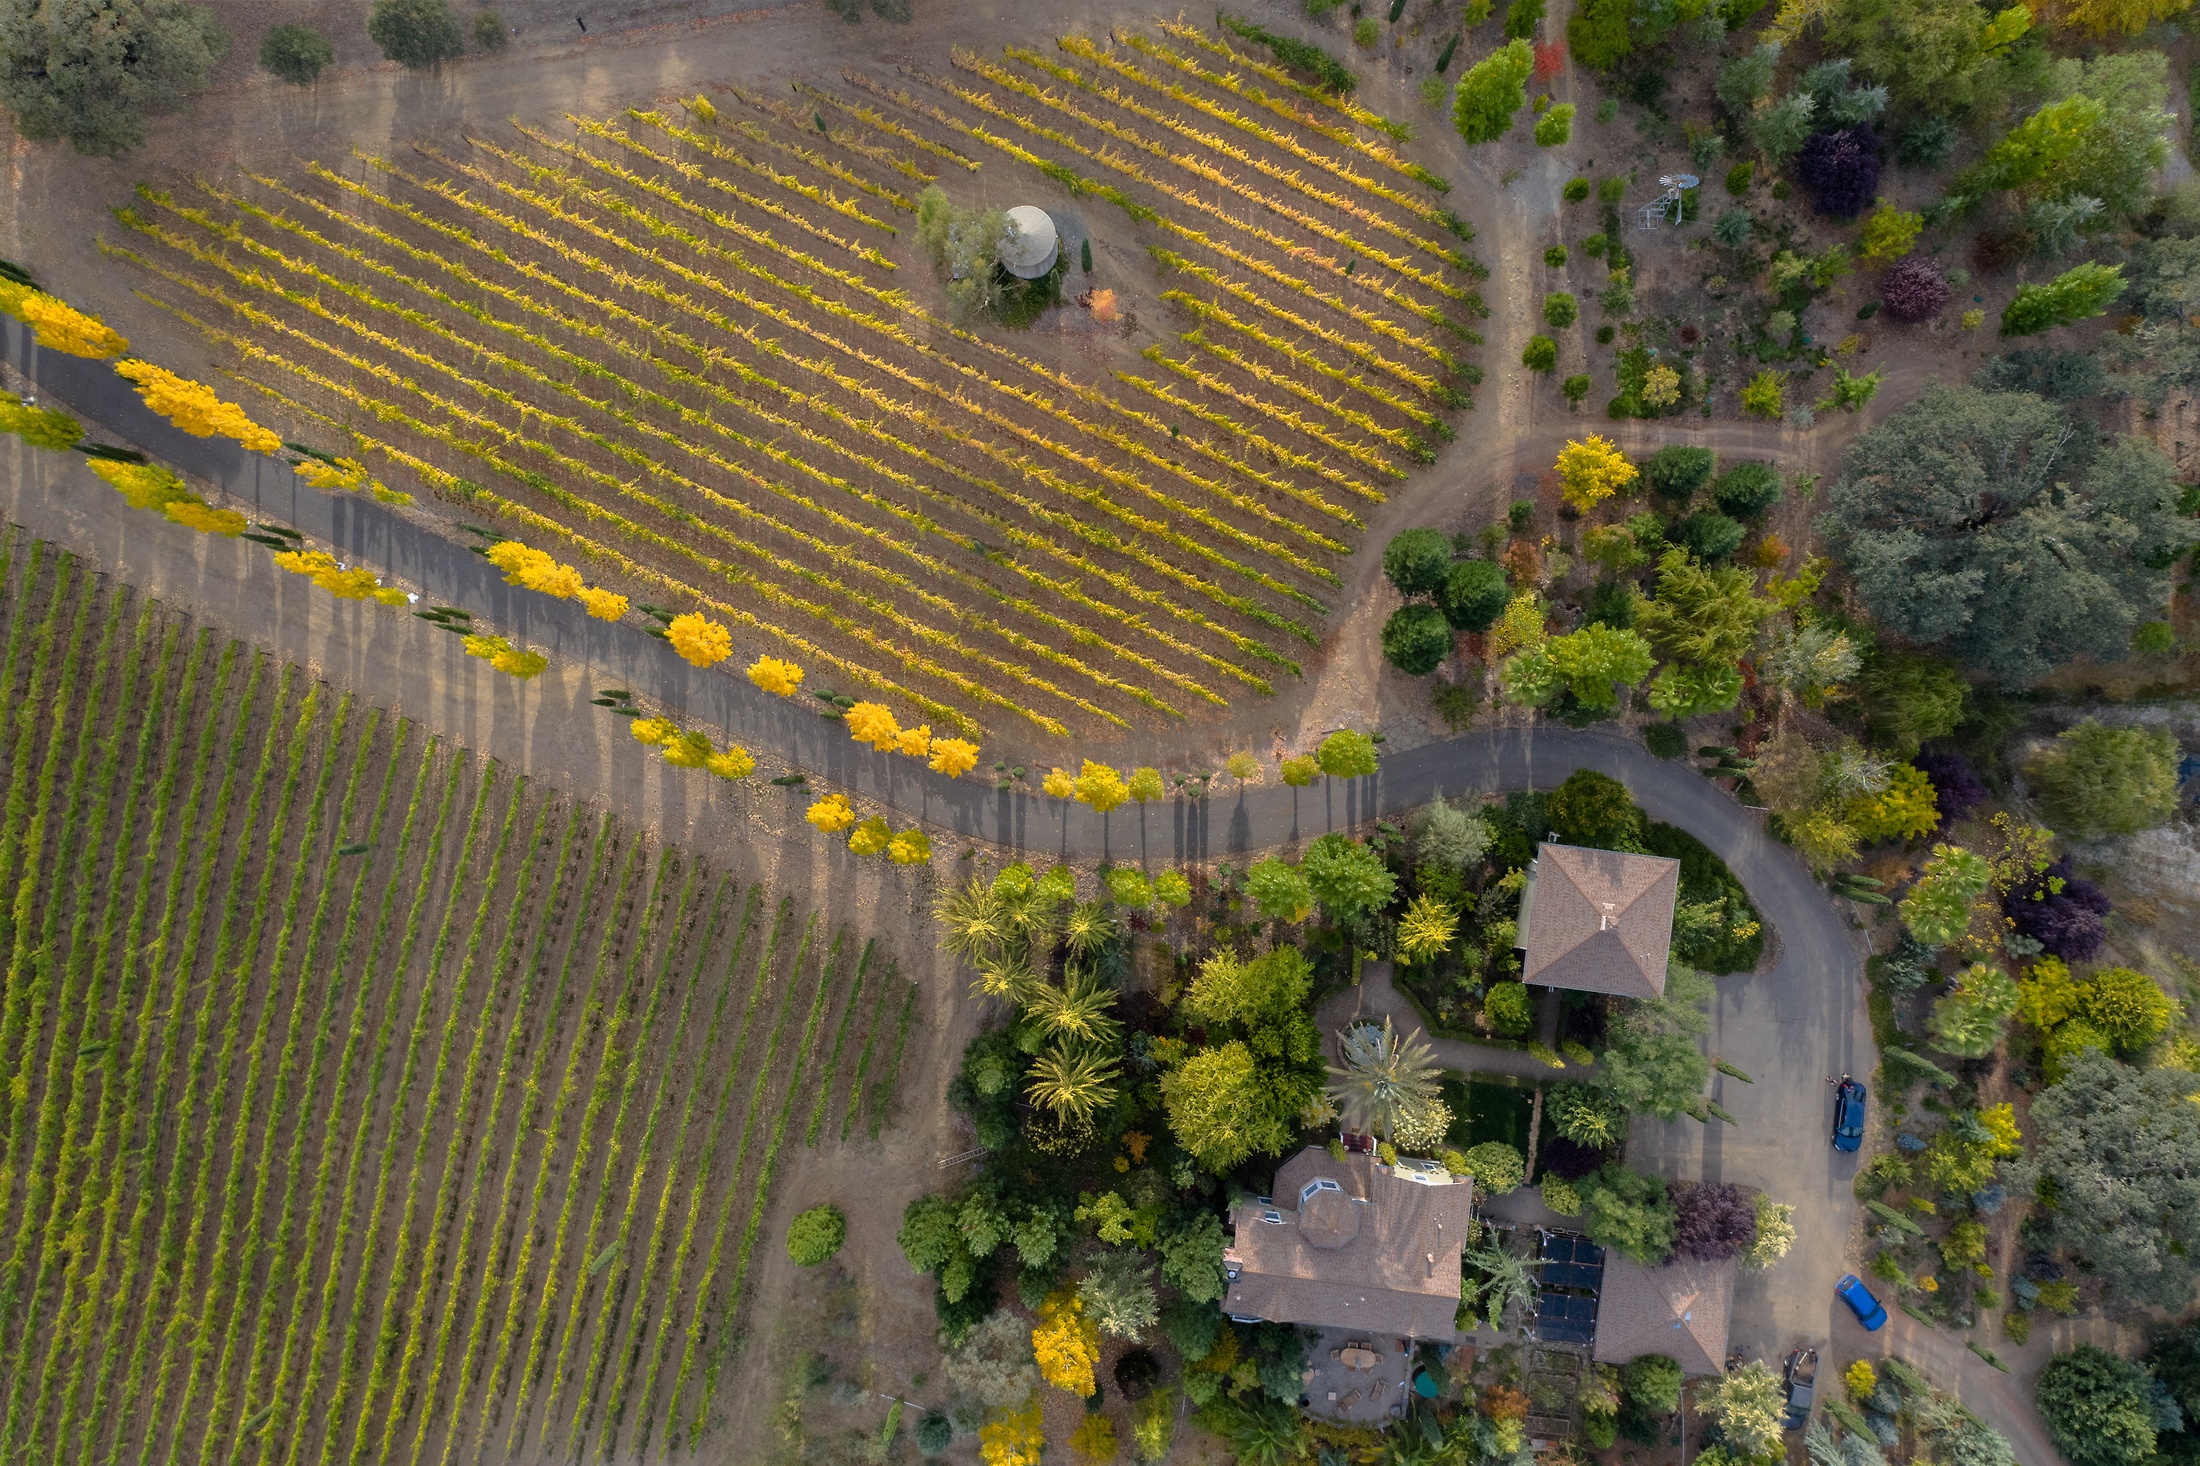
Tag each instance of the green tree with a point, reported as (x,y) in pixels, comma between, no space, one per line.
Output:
(1629,1212)
(1700,616)
(1497,1167)
(1416,561)
(419,34)
(2061,560)
(1555,128)
(1595,810)
(2098,1407)
(1653,1065)
(1266,992)
(1747,489)
(964,245)
(1416,639)
(1493,89)
(1938,909)
(1598,34)
(816,1234)
(1473,593)
(94,71)
(1191,1256)
(1653,1382)
(1507,1007)
(1910,699)
(1587,1114)
(1676,471)
(2126,1007)
(1221,1108)
(1747,1402)
(2077,294)
(1348,879)
(2118,1151)
(295,52)
(1970,1020)
(2095,780)
(1540,354)
(1280,890)
(1118,1294)
(1592,664)
(1346,754)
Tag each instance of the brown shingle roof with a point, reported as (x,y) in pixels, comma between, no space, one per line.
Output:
(1679,1310)
(1600,921)
(1378,1252)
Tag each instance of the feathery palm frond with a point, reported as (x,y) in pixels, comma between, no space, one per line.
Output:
(1076,1010)
(1004,975)
(1088,927)
(1073,1082)
(976,922)
(1383,1077)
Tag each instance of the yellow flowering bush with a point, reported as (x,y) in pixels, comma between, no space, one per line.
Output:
(346,585)
(1517,628)
(344,475)
(60,326)
(505,657)
(1592,472)
(2048,994)
(604,605)
(1100,787)
(874,723)
(701,641)
(910,847)
(916,742)
(1066,1343)
(1013,1437)
(192,514)
(775,676)
(653,730)
(1907,809)
(732,762)
(831,814)
(870,837)
(194,407)
(1059,784)
(954,757)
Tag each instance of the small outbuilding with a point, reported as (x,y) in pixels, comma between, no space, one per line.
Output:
(1031,251)
(1598,921)
(1680,1310)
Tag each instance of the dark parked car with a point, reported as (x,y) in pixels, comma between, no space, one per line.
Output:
(1802,1379)
(1848,1114)
(1859,1298)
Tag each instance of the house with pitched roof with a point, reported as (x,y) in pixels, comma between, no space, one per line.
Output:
(1598,921)
(1352,1244)
(1679,1310)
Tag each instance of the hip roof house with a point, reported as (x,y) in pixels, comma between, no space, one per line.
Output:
(1679,1310)
(1352,1244)
(1598,921)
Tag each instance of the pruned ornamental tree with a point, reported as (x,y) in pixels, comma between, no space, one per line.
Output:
(1987,522)
(1493,89)
(94,71)
(419,34)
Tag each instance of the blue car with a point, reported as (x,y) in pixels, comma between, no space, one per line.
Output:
(1848,1114)
(1869,1312)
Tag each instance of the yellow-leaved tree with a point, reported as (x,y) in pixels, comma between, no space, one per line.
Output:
(193,407)
(699,640)
(775,676)
(1145,785)
(1591,472)
(355,584)
(1100,787)
(910,847)
(954,757)
(1066,1344)
(915,742)
(731,762)
(1013,1435)
(505,657)
(192,514)
(653,731)
(1518,627)
(872,836)
(831,814)
(345,475)
(58,325)
(539,571)
(874,723)
(604,605)
(1059,783)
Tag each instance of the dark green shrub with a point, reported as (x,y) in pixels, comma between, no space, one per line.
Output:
(1612,603)
(1595,810)
(1521,19)
(490,31)
(1521,514)
(1676,471)
(418,34)
(1574,388)
(296,53)
(1473,593)
(1652,1381)
(935,1433)
(1611,190)
(1560,309)
(1747,489)
(1417,560)
(1508,1009)
(1575,191)
(1540,355)
(1711,537)
(1739,177)
(1666,740)
(1416,639)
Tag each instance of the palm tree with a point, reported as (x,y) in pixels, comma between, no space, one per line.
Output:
(1003,975)
(1088,927)
(977,922)
(1073,1082)
(1383,1078)
(1077,1010)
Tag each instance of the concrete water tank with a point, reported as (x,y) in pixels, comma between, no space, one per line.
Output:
(1029,253)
